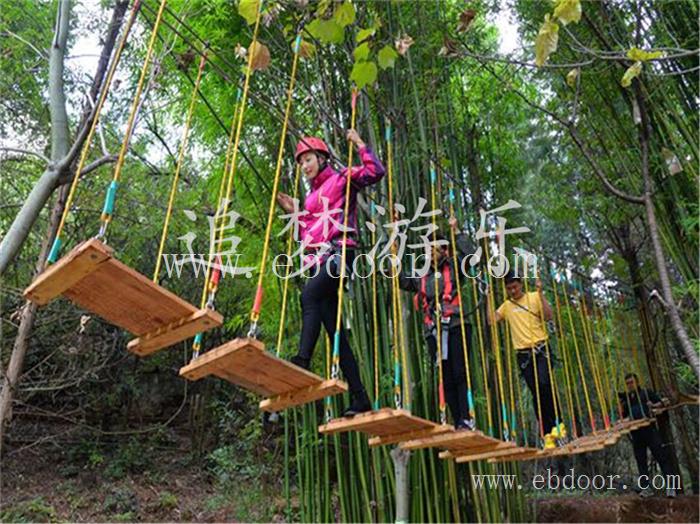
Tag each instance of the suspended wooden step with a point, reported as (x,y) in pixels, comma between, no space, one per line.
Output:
(90,277)
(457,441)
(683,400)
(385,426)
(245,363)
(494,453)
(473,451)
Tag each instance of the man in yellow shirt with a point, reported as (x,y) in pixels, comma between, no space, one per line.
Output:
(526,314)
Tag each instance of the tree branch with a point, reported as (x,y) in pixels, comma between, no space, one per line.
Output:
(26,152)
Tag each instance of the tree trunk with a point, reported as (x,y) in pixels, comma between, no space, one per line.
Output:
(43,189)
(661,266)
(401,458)
(59,166)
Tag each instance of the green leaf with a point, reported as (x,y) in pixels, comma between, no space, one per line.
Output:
(364,34)
(639,55)
(361,52)
(345,14)
(568,11)
(323,6)
(386,57)
(546,42)
(571,77)
(327,31)
(632,72)
(363,73)
(248,9)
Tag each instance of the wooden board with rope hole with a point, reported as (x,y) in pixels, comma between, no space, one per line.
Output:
(90,277)
(455,440)
(382,423)
(245,363)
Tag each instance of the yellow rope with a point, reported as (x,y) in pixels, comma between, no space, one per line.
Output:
(178,166)
(255,312)
(563,347)
(508,343)
(93,127)
(107,216)
(236,142)
(580,363)
(463,329)
(220,197)
(484,363)
(583,313)
(285,290)
(495,347)
(438,308)
(346,210)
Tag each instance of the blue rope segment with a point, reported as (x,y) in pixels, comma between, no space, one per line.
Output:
(55,250)
(109,199)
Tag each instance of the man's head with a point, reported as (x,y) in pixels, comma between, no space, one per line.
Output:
(514,285)
(442,251)
(631,381)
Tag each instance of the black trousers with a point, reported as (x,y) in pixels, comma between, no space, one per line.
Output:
(319,304)
(649,438)
(526,363)
(454,376)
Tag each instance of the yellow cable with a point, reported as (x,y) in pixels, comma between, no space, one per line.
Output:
(580,363)
(97,110)
(482,351)
(343,251)
(178,166)
(106,218)
(255,312)
(438,308)
(285,290)
(562,344)
(457,269)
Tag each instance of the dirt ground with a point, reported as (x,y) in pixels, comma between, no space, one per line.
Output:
(627,508)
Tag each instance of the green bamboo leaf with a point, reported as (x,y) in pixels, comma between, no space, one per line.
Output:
(345,14)
(632,72)
(361,52)
(248,9)
(386,57)
(363,73)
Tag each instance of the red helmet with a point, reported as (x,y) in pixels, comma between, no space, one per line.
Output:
(311,143)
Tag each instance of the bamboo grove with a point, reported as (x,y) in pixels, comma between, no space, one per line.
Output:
(462,123)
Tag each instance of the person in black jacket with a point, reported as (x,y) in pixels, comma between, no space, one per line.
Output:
(451,349)
(638,403)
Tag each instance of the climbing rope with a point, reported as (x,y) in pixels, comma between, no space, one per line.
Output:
(212,278)
(457,270)
(335,360)
(178,166)
(110,197)
(257,304)
(56,246)
(438,307)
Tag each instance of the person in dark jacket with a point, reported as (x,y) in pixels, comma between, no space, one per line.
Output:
(451,349)
(639,403)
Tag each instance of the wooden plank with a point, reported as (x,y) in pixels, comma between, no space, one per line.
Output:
(327,388)
(245,363)
(128,299)
(364,422)
(460,438)
(490,454)
(212,359)
(396,438)
(481,449)
(184,328)
(68,271)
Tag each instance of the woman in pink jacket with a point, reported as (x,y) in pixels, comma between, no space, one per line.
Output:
(321,232)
